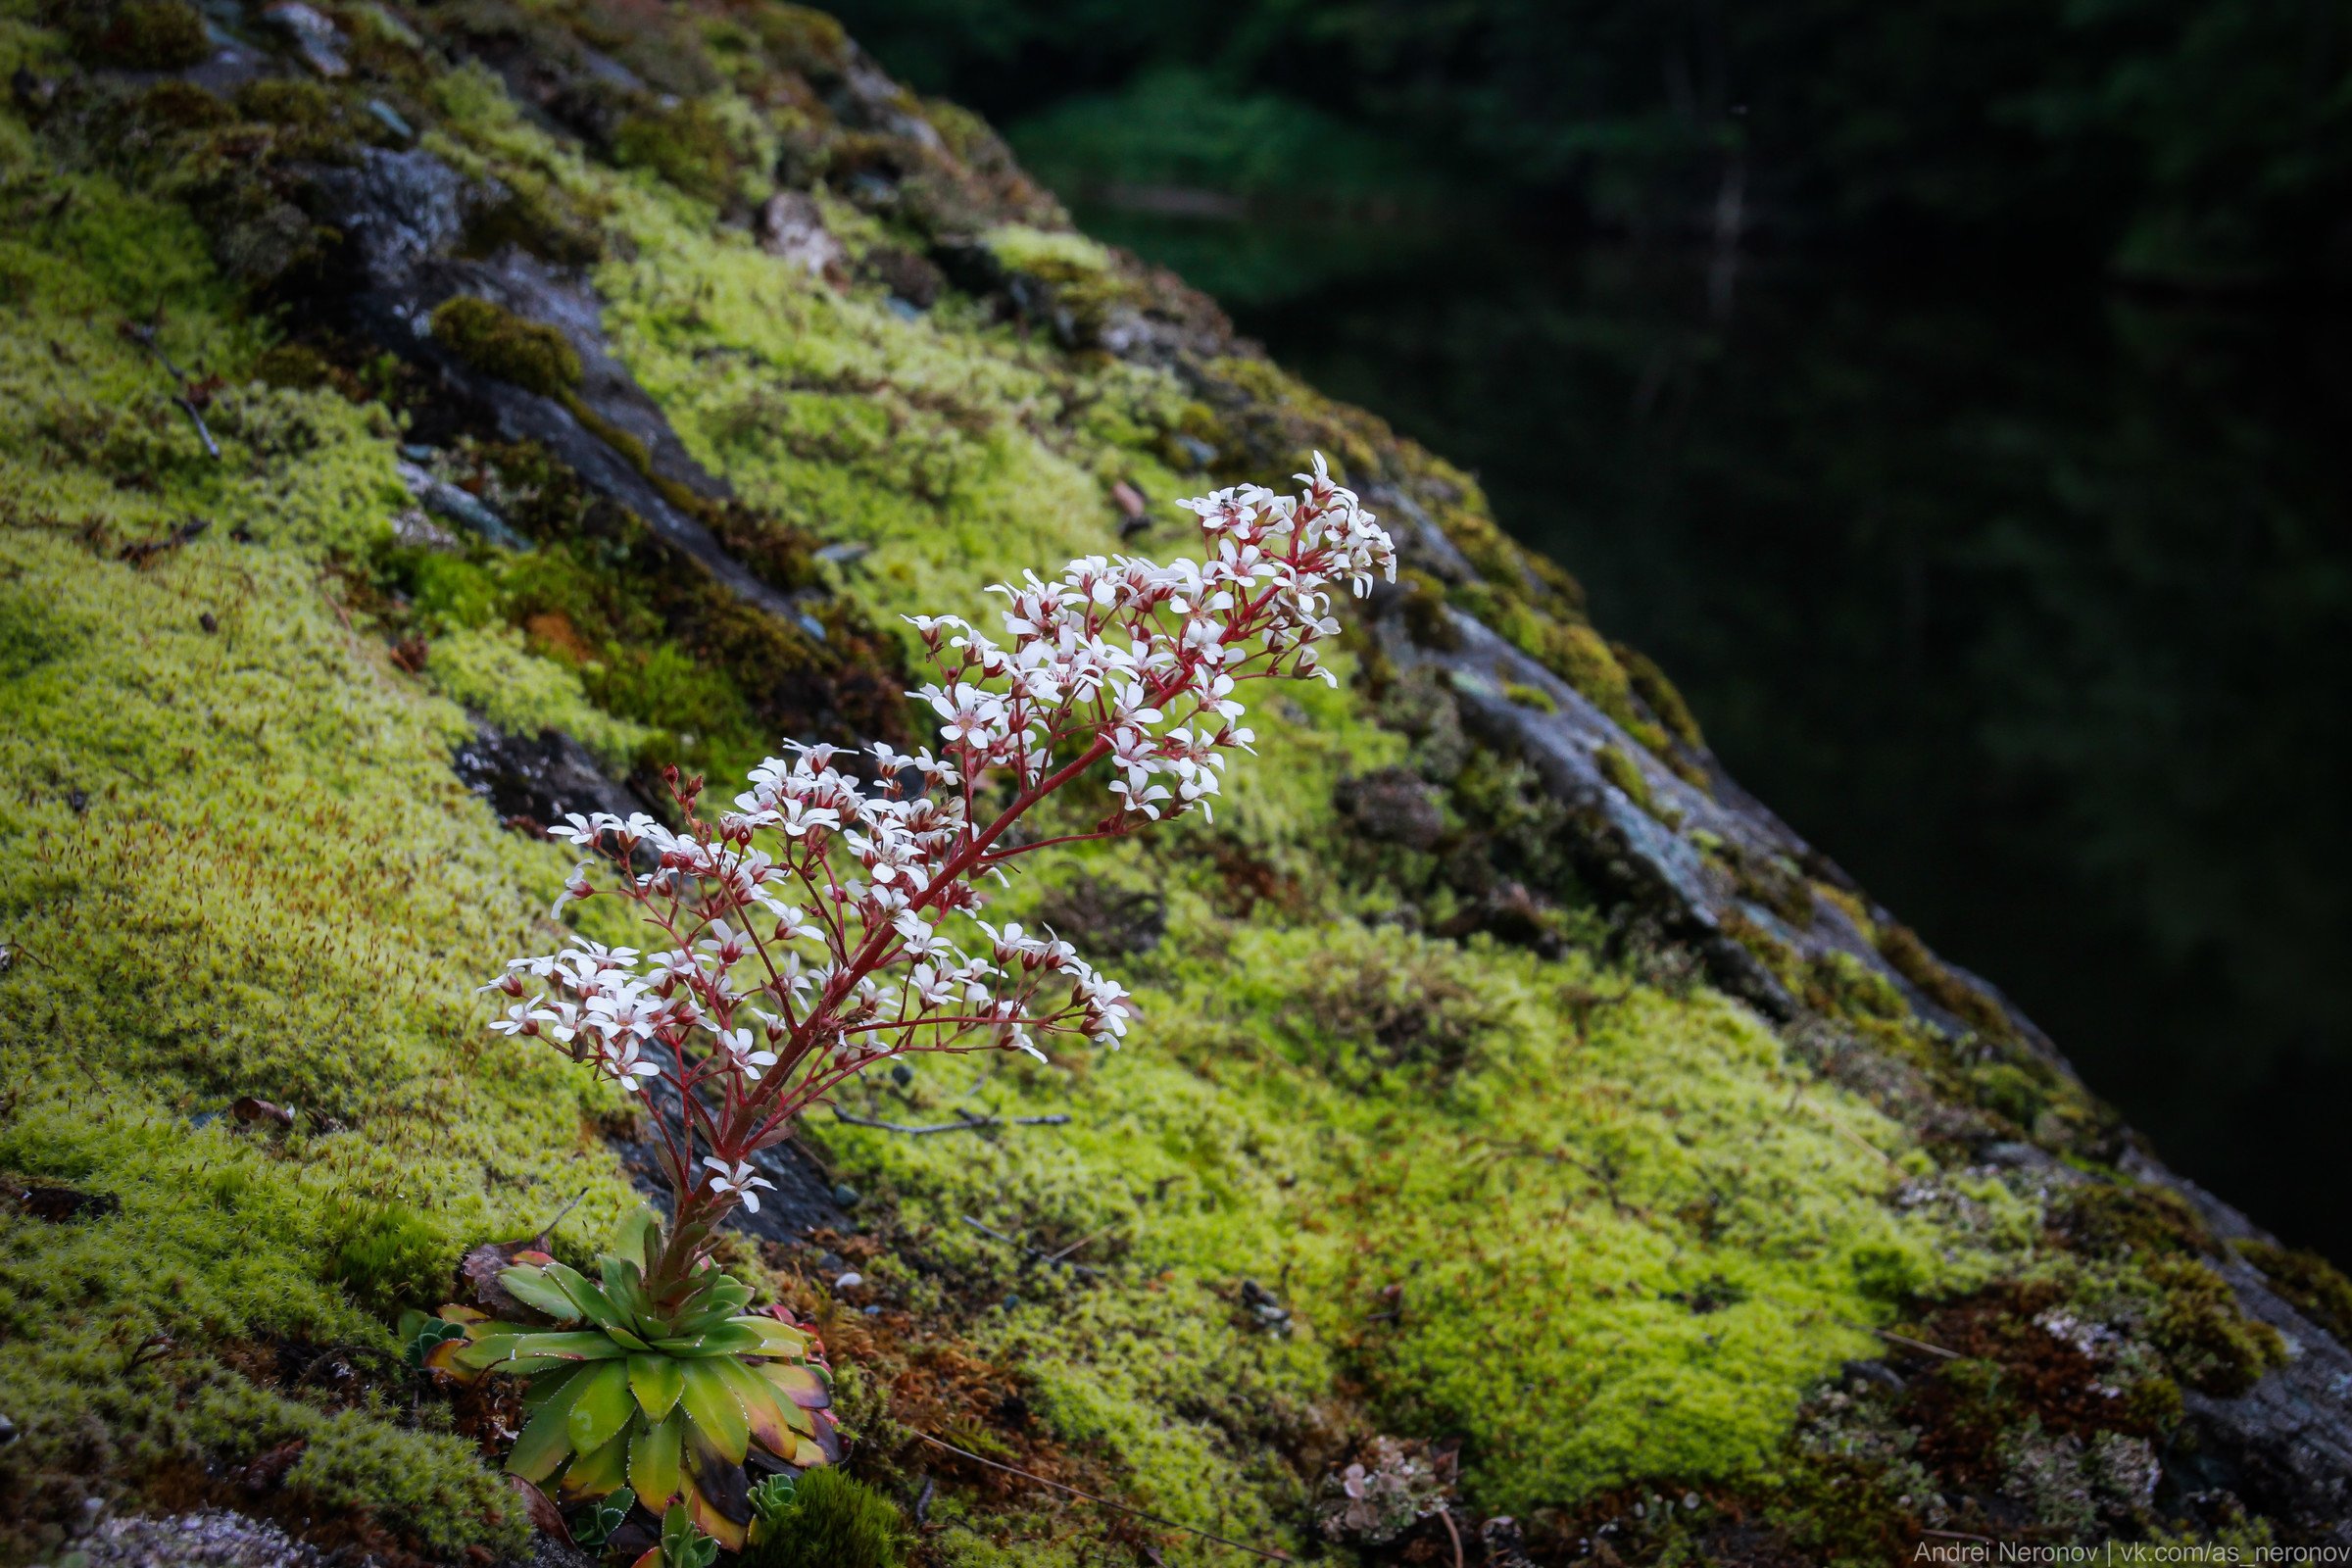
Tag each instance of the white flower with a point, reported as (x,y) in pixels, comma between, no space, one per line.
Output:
(1118,659)
(629,1066)
(796,817)
(524,1019)
(577,886)
(738,1179)
(739,1045)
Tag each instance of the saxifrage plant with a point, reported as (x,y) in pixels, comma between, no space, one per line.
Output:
(829,922)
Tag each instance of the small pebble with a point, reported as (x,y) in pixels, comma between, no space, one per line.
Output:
(208,621)
(79,801)
(874,1310)
(846,1195)
(849,1281)
(1012,1302)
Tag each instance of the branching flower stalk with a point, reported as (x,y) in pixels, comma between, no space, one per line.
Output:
(824,924)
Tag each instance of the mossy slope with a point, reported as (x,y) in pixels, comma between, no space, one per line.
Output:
(1424,1131)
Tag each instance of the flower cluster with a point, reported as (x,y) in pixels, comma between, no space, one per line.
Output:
(831,917)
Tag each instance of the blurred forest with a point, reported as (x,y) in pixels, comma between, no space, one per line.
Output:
(1952,395)
(2199,143)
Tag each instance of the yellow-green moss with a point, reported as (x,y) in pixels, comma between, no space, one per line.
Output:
(490,670)
(700,146)
(1534,696)
(1621,770)
(832,1522)
(236,864)
(1659,694)
(1055,256)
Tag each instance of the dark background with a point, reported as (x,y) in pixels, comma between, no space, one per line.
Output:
(1954,397)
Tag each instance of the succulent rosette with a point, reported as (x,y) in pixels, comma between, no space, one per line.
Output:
(670,1399)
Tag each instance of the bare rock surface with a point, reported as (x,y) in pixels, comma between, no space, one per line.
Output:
(212,1539)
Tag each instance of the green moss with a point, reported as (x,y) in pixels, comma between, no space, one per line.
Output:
(2214,1347)
(245,869)
(497,342)
(832,1522)
(2011,1090)
(1581,657)
(286,101)
(180,106)
(491,671)
(2119,1220)
(1900,947)
(1425,615)
(1605,1231)
(1622,771)
(292,367)
(1534,696)
(1055,256)
(1841,983)
(1660,695)
(799,38)
(2316,1287)
(691,146)
(390,1255)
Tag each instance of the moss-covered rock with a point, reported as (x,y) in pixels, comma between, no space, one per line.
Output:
(497,342)
(1434,1126)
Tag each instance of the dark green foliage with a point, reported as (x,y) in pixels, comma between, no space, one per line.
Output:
(286,101)
(495,341)
(174,106)
(2193,140)
(1660,695)
(2316,1287)
(2123,1218)
(141,34)
(830,1522)
(603,1516)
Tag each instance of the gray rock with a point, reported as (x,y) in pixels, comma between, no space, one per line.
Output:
(398,210)
(316,39)
(390,119)
(538,778)
(460,505)
(2285,1447)
(212,1539)
(792,230)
